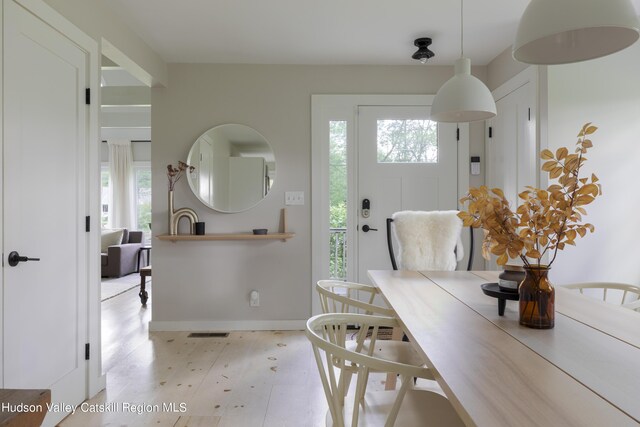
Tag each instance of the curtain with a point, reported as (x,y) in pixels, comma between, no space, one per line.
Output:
(121,172)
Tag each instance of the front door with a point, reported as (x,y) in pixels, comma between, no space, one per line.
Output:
(44,186)
(405,162)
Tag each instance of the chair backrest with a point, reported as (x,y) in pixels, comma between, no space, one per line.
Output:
(625,295)
(341,297)
(421,241)
(328,333)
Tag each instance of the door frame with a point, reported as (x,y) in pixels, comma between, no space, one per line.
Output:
(96,381)
(325,108)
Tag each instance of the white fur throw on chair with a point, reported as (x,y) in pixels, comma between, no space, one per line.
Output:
(426,240)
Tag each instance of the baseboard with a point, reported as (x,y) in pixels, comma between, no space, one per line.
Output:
(97,385)
(226,325)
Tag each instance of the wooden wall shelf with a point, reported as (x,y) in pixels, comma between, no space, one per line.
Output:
(282,234)
(225,236)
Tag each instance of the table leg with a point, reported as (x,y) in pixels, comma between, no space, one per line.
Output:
(138,268)
(144,296)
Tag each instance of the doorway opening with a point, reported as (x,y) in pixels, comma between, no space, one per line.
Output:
(125,177)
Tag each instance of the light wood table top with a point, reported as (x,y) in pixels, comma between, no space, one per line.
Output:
(584,372)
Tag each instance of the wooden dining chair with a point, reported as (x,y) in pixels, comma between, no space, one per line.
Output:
(623,294)
(404,407)
(337,296)
(347,297)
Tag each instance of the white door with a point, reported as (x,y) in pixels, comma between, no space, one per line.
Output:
(511,147)
(405,162)
(44,185)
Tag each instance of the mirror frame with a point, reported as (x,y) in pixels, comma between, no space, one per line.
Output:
(189,176)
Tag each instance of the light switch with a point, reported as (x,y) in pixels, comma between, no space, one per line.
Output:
(294,198)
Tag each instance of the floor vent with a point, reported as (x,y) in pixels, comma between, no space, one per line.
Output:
(208,335)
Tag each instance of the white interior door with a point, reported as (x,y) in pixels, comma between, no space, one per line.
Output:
(44,186)
(405,162)
(511,146)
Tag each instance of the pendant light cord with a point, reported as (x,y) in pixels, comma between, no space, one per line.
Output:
(461,29)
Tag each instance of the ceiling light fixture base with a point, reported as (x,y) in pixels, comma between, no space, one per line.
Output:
(423,53)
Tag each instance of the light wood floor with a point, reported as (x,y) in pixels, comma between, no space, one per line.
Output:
(248,379)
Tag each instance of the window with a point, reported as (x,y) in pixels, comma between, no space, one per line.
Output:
(105,199)
(407,141)
(338,199)
(142,198)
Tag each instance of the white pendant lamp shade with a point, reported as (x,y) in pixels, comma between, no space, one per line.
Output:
(463,98)
(566,31)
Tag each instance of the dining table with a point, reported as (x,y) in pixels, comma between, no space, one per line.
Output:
(583,372)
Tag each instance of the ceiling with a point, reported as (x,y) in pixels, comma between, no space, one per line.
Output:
(321,31)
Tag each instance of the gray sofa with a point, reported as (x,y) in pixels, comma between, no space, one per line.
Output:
(120,260)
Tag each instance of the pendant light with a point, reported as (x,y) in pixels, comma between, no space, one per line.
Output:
(566,31)
(463,98)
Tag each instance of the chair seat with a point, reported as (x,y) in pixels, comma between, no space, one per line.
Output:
(419,408)
(391,350)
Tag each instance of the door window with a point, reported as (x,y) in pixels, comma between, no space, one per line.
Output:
(407,141)
(338,199)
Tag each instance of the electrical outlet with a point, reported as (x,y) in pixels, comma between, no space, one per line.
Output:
(254,299)
(294,198)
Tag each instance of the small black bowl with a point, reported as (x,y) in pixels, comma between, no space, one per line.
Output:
(260,231)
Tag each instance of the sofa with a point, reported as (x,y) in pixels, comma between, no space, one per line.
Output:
(119,251)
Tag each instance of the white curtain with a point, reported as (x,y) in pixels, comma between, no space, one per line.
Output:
(121,172)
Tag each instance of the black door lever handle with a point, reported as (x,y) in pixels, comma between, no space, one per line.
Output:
(366,228)
(15,258)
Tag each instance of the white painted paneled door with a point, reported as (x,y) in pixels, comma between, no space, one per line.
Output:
(511,144)
(392,186)
(44,186)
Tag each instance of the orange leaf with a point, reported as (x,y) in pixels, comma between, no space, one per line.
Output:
(546,154)
(547,166)
(502,259)
(533,254)
(590,130)
(561,153)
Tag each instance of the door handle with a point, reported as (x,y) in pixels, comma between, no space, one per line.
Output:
(15,258)
(366,228)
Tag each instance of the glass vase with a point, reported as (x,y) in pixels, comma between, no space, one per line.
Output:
(537,298)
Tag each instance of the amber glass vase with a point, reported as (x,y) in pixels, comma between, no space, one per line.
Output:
(537,298)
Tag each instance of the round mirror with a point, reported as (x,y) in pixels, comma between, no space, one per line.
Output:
(234,168)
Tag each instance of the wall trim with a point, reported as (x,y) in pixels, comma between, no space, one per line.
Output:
(226,325)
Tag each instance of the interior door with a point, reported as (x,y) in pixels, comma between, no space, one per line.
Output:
(511,147)
(405,162)
(44,301)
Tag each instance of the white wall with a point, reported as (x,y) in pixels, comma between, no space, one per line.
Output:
(207,282)
(606,92)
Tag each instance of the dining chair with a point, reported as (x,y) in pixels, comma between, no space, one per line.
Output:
(427,240)
(337,296)
(343,297)
(623,294)
(404,407)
